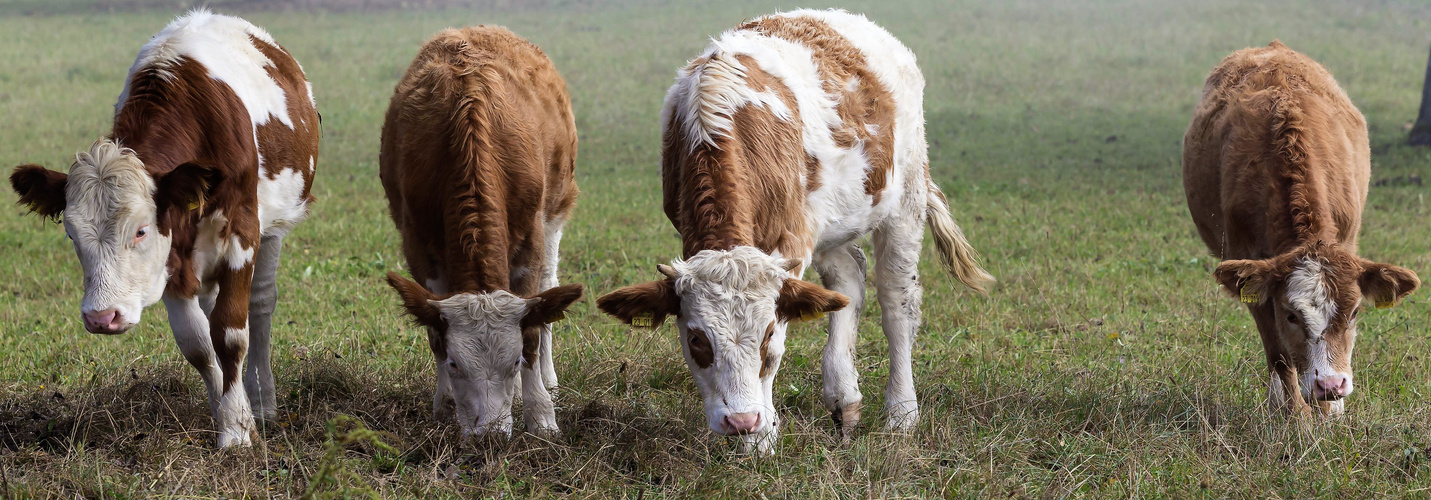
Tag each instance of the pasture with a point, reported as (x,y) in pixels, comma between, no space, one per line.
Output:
(1104,363)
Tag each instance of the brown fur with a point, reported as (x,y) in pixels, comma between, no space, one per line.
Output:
(766,362)
(1275,165)
(700,346)
(839,62)
(478,155)
(41,190)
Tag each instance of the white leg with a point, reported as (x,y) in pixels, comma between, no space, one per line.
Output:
(549,280)
(442,402)
(262,299)
(843,270)
(537,409)
(897,246)
(230,408)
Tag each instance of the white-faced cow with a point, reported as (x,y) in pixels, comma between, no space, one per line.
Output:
(791,137)
(1275,165)
(478,162)
(208,166)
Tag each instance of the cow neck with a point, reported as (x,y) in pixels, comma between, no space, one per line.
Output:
(716,213)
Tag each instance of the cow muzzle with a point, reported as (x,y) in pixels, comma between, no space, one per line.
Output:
(733,424)
(106,322)
(1331,387)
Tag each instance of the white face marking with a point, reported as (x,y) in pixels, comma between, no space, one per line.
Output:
(109,203)
(484,355)
(730,295)
(1307,296)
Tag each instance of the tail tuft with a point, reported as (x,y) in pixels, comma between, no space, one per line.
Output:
(958,257)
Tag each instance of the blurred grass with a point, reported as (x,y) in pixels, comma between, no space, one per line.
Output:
(1105,362)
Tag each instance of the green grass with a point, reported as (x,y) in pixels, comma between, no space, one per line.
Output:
(1105,363)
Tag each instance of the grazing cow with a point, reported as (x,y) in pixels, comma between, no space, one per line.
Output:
(1275,165)
(207,168)
(478,163)
(789,138)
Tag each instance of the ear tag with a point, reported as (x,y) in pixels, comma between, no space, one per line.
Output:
(1248,297)
(643,319)
(560,315)
(812,315)
(1384,304)
(193,205)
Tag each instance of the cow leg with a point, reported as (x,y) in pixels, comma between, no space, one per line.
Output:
(897,246)
(262,298)
(843,270)
(538,411)
(1284,390)
(549,280)
(229,407)
(442,403)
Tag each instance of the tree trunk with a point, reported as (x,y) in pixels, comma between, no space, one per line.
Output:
(1421,132)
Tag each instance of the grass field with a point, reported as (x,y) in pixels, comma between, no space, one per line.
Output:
(1105,363)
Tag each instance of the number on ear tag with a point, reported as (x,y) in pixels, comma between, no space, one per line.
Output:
(812,315)
(1248,297)
(643,319)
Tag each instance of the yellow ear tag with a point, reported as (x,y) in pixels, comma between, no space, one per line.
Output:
(812,315)
(1249,297)
(643,319)
(1385,304)
(560,315)
(194,205)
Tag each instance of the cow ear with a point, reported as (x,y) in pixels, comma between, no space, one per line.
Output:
(41,190)
(1248,280)
(185,188)
(550,305)
(645,304)
(1385,284)
(801,300)
(417,300)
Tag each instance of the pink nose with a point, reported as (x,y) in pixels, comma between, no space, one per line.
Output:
(742,423)
(1332,387)
(106,321)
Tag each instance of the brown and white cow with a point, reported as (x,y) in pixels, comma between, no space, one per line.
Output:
(478,162)
(791,137)
(208,166)
(1275,165)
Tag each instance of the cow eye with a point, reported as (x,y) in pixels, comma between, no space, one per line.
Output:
(1292,318)
(141,233)
(1354,312)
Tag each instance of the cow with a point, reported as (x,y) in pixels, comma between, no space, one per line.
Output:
(1275,166)
(208,166)
(478,162)
(788,139)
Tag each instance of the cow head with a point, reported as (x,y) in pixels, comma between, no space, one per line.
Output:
(489,338)
(1316,292)
(732,308)
(112,209)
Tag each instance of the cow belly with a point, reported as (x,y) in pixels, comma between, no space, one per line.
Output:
(281,203)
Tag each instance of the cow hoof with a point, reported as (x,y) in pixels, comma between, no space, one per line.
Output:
(237,438)
(846,420)
(901,418)
(546,433)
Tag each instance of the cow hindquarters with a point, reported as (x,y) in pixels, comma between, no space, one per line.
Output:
(897,246)
(229,407)
(843,270)
(262,299)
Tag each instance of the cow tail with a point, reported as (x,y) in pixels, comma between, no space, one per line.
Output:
(958,257)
